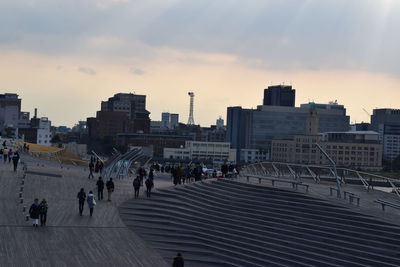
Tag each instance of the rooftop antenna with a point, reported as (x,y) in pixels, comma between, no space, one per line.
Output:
(191,118)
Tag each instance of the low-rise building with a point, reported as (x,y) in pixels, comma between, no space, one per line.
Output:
(253,155)
(196,150)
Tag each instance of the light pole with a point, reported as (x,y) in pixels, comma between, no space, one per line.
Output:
(339,189)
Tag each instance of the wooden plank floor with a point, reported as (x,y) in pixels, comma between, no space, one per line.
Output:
(68,239)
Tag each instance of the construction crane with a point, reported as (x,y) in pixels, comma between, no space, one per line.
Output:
(191,118)
(369,115)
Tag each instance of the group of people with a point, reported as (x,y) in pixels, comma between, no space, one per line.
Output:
(181,175)
(39,210)
(138,181)
(26,147)
(90,198)
(8,156)
(97,168)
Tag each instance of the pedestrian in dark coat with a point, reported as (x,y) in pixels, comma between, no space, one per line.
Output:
(43,212)
(149,185)
(82,197)
(110,188)
(91,202)
(15,160)
(34,212)
(91,166)
(136,186)
(100,188)
(178,261)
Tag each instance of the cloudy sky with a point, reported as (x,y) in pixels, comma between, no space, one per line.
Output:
(65,56)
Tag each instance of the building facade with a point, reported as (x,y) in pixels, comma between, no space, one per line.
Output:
(10,109)
(174,120)
(257,128)
(279,95)
(364,152)
(195,150)
(253,155)
(387,123)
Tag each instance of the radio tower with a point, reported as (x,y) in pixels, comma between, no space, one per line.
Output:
(191,119)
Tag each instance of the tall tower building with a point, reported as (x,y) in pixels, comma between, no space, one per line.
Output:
(165,116)
(279,95)
(312,121)
(174,120)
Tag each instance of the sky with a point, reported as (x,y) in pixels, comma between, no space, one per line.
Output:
(65,57)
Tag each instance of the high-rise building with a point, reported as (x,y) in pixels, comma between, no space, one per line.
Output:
(10,109)
(256,128)
(173,120)
(122,113)
(279,95)
(387,123)
(220,123)
(165,117)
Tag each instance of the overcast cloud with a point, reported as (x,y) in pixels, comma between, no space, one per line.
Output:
(360,34)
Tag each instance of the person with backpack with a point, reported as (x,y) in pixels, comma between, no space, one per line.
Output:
(10,155)
(149,185)
(34,212)
(110,188)
(43,212)
(91,202)
(136,186)
(82,197)
(100,188)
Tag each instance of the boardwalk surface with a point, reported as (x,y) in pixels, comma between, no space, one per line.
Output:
(68,239)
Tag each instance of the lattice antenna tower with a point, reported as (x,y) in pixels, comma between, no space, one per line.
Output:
(191,118)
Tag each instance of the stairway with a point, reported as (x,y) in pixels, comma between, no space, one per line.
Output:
(228,223)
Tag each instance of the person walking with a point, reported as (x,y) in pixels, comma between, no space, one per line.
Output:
(149,185)
(5,154)
(100,188)
(136,186)
(15,160)
(91,166)
(10,155)
(34,212)
(178,261)
(81,197)
(151,174)
(91,202)
(110,188)
(43,207)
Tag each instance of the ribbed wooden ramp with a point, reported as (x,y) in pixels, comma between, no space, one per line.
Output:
(229,223)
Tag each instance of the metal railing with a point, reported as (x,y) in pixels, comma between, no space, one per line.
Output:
(296,172)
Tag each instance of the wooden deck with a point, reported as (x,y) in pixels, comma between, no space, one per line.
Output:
(68,239)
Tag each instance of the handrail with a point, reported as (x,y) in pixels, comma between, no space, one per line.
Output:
(287,169)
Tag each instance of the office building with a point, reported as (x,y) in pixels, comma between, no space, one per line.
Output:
(256,128)
(10,109)
(165,117)
(387,123)
(360,149)
(279,95)
(173,120)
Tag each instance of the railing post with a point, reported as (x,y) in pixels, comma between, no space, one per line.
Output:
(259,180)
(248,179)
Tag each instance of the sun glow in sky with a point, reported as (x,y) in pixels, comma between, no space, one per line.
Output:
(65,57)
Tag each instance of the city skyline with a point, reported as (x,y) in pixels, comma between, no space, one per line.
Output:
(59,55)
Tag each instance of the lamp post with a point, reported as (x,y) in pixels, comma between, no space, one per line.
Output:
(339,189)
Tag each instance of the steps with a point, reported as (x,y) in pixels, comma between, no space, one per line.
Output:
(228,223)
